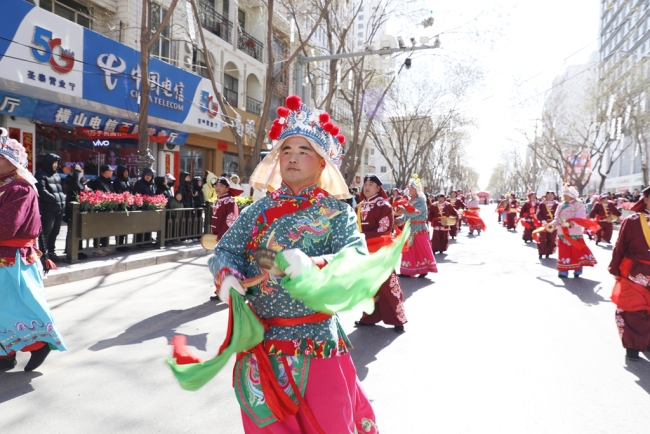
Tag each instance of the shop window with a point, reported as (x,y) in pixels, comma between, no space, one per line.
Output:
(231,89)
(68,9)
(230,164)
(194,160)
(161,48)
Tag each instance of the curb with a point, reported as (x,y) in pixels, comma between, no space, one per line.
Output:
(85,270)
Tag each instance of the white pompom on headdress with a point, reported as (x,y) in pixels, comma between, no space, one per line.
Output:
(569,190)
(15,153)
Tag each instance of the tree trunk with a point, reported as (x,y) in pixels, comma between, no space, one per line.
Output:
(144,155)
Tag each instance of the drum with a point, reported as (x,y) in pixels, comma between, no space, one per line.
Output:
(513,210)
(448,221)
(612,218)
(209,241)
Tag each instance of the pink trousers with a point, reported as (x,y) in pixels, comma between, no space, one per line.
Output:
(334,396)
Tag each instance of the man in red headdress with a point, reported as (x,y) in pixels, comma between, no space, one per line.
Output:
(224,210)
(439,211)
(375,218)
(604,212)
(458,203)
(631,266)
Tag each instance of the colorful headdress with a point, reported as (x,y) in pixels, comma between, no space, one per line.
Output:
(568,190)
(296,119)
(15,153)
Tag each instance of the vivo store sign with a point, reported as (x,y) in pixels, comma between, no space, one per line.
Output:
(101,143)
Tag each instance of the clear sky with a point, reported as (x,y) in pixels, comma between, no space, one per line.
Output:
(520,45)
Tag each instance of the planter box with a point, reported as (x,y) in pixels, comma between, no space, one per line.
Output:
(106,224)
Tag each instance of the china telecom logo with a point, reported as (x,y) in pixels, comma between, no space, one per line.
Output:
(48,49)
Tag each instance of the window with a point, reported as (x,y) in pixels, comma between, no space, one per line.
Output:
(361,26)
(382,169)
(360,34)
(161,47)
(68,9)
(226,8)
(359,43)
(241,19)
(361,9)
(372,151)
(360,17)
(366,156)
(231,89)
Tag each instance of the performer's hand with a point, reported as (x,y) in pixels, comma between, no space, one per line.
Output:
(298,262)
(227,283)
(566,224)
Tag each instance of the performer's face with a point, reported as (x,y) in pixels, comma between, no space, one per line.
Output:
(567,198)
(532,197)
(220,189)
(5,166)
(550,196)
(441,199)
(370,189)
(300,164)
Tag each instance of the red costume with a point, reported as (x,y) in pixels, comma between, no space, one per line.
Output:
(511,216)
(440,237)
(458,204)
(601,214)
(376,218)
(527,218)
(547,240)
(631,266)
(224,214)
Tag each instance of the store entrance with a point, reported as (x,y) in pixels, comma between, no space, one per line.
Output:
(195,161)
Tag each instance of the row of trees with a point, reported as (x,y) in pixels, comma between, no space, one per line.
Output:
(589,122)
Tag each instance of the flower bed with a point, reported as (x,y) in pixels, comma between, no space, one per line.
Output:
(99,201)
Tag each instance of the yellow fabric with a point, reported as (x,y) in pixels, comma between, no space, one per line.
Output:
(359,216)
(550,213)
(645,228)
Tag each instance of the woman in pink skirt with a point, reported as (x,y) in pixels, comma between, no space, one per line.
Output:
(418,260)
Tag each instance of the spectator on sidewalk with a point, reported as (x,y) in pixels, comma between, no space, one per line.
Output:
(145,185)
(121,181)
(73,184)
(185,188)
(209,192)
(197,195)
(161,187)
(103,181)
(171,182)
(51,202)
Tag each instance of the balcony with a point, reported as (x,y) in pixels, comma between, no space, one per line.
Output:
(249,45)
(214,22)
(253,106)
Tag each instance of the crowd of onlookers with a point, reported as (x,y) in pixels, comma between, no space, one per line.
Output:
(55,195)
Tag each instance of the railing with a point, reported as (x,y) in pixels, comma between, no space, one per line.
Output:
(249,45)
(92,232)
(215,22)
(253,106)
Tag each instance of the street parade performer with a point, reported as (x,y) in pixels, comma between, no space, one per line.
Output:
(301,231)
(459,204)
(439,213)
(471,215)
(512,207)
(528,218)
(26,323)
(605,213)
(224,210)
(546,241)
(501,210)
(375,218)
(631,266)
(570,219)
(418,259)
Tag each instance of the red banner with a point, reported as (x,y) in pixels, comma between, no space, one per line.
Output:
(98,134)
(28,143)
(168,163)
(222,146)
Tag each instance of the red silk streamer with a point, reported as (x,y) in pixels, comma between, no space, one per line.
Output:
(628,295)
(585,223)
(404,204)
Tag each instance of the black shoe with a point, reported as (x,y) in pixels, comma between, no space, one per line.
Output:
(399,329)
(422,276)
(403,275)
(632,355)
(540,256)
(8,363)
(597,242)
(547,256)
(363,324)
(37,358)
(215,298)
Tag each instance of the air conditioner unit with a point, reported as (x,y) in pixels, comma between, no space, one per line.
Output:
(187,55)
(171,148)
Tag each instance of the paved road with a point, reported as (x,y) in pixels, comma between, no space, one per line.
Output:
(496,343)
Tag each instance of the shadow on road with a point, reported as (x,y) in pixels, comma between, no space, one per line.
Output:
(641,369)
(367,343)
(15,384)
(164,324)
(411,284)
(581,288)
(442,259)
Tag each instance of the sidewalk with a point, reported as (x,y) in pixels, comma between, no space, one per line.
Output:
(117,262)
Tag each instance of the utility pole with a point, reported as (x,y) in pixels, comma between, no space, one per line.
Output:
(301,60)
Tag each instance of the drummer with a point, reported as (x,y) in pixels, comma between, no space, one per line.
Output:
(605,213)
(442,215)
